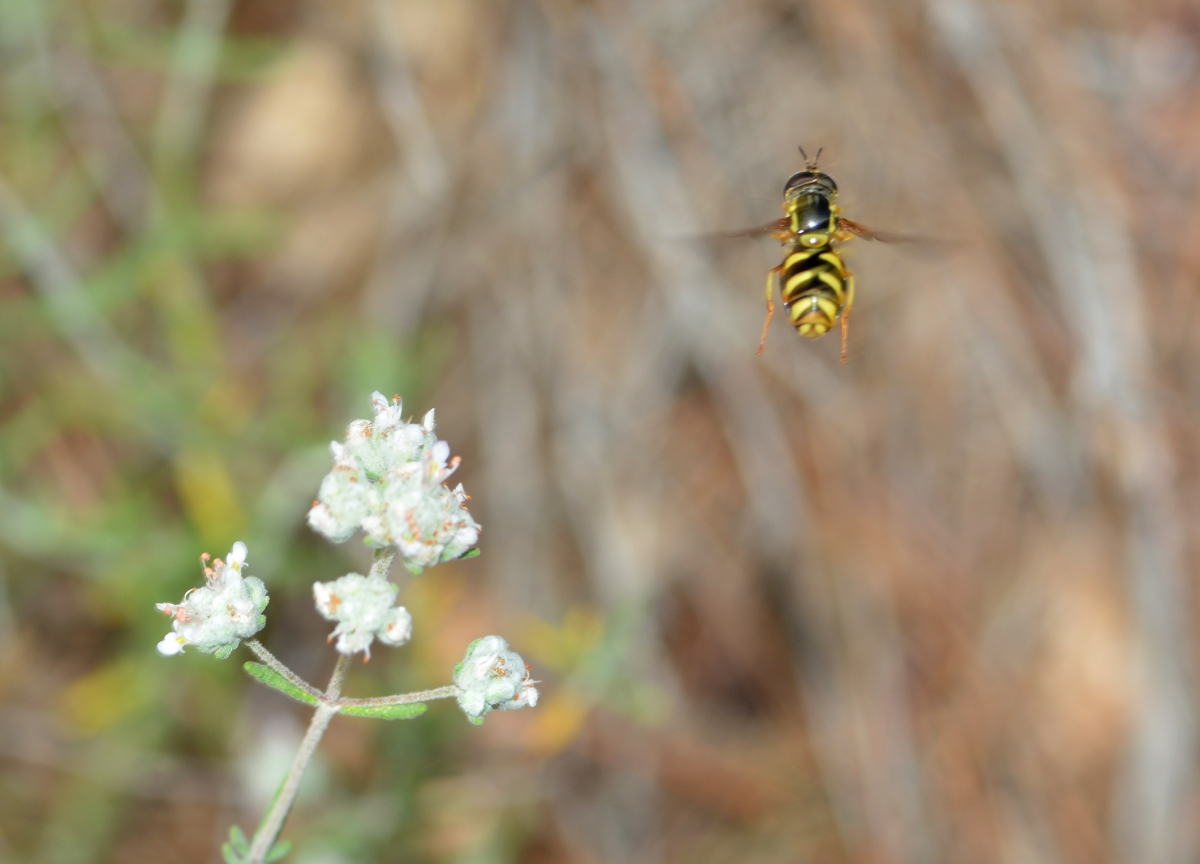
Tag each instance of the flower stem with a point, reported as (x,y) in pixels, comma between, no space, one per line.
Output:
(272,824)
(383,562)
(403,698)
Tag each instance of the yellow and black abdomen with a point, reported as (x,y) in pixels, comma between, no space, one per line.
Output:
(813,287)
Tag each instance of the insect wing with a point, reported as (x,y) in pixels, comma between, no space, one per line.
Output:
(779,226)
(859,230)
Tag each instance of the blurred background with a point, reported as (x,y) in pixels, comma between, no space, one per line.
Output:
(932,605)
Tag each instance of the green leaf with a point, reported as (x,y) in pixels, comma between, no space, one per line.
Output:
(276,681)
(471,553)
(230,856)
(403,711)
(278,851)
(238,840)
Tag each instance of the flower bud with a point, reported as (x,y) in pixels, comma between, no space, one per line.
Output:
(216,617)
(492,676)
(363,607)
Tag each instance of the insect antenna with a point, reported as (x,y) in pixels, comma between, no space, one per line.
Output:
(811,164)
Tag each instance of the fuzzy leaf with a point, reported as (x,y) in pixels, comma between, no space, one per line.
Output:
(278,851)
(403,711)
(276,681)
(238,840)
(231,856)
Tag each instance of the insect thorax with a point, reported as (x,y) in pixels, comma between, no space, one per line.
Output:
(810,211)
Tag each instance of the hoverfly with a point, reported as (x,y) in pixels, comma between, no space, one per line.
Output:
(815,286)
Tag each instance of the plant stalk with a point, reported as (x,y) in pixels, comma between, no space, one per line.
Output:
(272,824)
(382,563)
(402,698)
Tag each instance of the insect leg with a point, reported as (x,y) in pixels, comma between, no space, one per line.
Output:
(762,341)
(846,312)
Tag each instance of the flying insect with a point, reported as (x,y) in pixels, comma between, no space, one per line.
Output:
(816,288)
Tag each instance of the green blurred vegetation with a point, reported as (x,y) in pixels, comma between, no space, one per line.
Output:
(136,431)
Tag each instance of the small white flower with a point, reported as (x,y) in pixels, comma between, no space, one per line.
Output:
(237,556)
(528,694)
(384,411)
(216,617)
(171,644)
(493,677)
(363,607)
(389,480)
(398,629)
(483,664)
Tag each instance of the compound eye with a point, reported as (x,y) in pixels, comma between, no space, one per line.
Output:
(796,179)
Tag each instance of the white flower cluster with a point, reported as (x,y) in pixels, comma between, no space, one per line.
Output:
(363,607)
(492,676)
(388,480)
(218,616)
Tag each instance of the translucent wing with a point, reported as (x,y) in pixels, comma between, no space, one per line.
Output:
(778,229)
(779,226)
(849,227)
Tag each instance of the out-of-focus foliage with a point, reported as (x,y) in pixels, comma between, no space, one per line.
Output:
(932,606)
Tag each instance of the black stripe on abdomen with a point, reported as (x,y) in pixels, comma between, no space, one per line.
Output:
(806,271)
(813,289)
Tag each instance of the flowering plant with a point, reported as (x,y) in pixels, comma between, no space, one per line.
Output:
(218,616)
(389,481)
